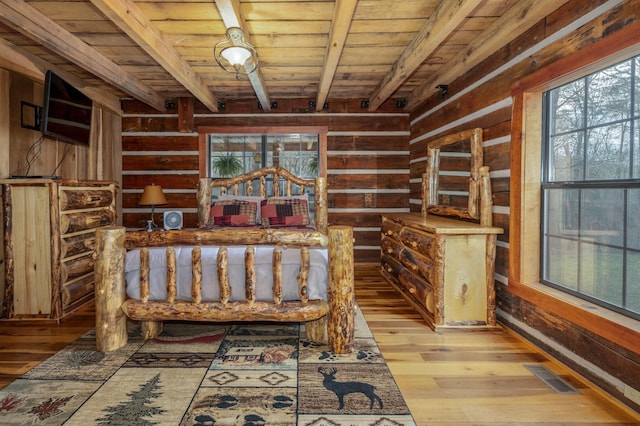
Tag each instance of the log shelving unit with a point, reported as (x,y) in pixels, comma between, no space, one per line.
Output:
(49,237)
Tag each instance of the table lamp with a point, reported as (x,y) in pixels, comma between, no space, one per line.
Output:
(152,196)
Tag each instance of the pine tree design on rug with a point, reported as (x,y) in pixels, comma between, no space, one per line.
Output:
(133,411)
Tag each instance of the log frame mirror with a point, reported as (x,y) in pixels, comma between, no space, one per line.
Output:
(451,183)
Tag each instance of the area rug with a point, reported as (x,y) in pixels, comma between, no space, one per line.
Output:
(210,374)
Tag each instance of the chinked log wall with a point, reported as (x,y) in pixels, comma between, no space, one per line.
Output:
(604,351)
(367,160)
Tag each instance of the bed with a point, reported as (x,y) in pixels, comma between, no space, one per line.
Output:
(238,265)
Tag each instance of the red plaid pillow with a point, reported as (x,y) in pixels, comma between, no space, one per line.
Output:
(233,213)
(284,212)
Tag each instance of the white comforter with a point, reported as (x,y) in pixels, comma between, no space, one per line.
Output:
(317,280)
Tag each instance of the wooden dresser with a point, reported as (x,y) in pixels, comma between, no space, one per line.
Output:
(444,267)
(49,234)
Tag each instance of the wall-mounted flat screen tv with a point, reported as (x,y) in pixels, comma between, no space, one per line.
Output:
(67,111)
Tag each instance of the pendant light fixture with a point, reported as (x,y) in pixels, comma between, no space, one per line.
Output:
(234,54)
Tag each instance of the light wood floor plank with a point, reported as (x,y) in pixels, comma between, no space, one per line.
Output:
(462,378)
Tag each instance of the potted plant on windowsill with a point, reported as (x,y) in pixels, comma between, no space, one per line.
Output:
(227,166)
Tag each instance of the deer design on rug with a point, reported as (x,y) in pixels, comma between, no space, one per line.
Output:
(345,388)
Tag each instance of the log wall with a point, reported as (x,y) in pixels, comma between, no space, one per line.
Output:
(594,342)
(367,159)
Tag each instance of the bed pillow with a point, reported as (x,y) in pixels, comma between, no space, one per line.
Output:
(284,211)
(233,213)
(250,198)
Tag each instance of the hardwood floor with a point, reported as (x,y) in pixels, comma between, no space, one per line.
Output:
(457,378)
(26,343)
(479,378)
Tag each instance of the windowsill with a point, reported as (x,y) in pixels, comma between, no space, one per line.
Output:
(611,325)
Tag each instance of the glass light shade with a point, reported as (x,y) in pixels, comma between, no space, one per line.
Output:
(152,196)
(236,55)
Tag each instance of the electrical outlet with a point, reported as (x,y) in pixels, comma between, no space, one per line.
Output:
(632,394)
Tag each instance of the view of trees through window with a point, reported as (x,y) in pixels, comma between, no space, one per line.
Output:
(591,188)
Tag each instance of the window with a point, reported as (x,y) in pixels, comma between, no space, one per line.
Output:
(590,192)
(233,154)
(228,151)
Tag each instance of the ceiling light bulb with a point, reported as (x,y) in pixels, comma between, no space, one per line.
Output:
(236,55)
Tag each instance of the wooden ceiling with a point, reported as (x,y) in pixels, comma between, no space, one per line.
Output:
(154,51)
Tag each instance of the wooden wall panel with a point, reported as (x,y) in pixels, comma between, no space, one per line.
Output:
(364,219)
(367,160)
(371,161)
(152,143)
(178,181)
(483,98)
(27,152)
(389,142)
(370,199)
(367,181)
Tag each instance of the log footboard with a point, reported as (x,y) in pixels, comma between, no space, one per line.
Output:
(333,319)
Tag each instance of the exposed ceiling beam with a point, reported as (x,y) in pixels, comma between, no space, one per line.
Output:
(342,16)
(230,12)
(443,21)
(520,18)
(23,18)
(130,19)
(259,86)
(13,58)
(17,59)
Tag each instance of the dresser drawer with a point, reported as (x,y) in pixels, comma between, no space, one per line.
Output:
(76,268)
(411,284)
(421,242)
(417,262)
(76,222)
(77,290)
(390,246)
(391,228)
(419,289)
(77,244)
(76,199)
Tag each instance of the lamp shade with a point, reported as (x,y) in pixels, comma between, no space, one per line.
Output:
(236,55)
(152,196)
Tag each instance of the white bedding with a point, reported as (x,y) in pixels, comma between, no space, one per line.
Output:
(317,279)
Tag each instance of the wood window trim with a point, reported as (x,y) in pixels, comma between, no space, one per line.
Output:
(524,221)
(321,131)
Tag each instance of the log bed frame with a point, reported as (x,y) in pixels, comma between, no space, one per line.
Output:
(332,320)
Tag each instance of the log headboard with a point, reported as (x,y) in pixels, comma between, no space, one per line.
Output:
(283,185)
